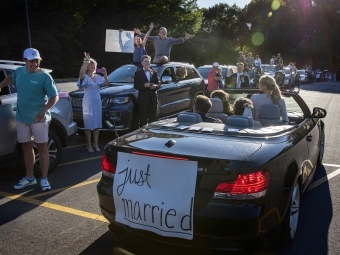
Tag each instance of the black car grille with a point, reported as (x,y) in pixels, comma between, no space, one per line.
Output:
(78,102)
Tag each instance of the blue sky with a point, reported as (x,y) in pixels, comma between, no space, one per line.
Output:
(210,3)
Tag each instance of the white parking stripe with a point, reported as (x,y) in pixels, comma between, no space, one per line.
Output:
(331,165)
(324,179)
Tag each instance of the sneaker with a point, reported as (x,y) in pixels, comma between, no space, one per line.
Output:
(24,182)
(45,185)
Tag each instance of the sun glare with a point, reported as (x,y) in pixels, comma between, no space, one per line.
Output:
(257,38)
(276,5)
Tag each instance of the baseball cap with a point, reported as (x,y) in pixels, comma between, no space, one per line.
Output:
(215,64)
(31,54)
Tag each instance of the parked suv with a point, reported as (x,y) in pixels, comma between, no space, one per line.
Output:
(61,130)
(119,99)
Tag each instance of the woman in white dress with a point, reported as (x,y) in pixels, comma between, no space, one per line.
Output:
(92,104)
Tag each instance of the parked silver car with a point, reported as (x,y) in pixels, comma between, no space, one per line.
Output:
(61,131)
(303,76)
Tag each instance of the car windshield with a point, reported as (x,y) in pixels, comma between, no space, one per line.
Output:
(268,68)
(204,71)
(287,71)
(124,74)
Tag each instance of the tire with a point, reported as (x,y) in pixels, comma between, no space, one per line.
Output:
(322,148)
(55,152)
(290,222)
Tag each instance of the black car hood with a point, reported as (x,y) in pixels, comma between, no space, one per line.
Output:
(114,88)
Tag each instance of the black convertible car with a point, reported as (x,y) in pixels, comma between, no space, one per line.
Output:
(180,180)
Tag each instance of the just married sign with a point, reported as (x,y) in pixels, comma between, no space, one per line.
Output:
(155,194)
(119,41)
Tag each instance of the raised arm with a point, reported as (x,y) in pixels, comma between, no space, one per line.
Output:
(86,61)
(147,34)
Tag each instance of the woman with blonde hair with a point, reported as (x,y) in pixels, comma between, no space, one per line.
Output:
(91,83)
(269,93)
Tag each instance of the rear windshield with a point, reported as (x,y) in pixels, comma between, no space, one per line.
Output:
(268,68)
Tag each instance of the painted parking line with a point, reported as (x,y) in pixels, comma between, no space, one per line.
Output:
(65,188)
(78,161)
(56,207)
(324,179)
(74,146)
(331,165)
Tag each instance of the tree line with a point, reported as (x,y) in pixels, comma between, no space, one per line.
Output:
(303,31)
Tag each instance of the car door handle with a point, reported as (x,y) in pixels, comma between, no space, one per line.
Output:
(309,138)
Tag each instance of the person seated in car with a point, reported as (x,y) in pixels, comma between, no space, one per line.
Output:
(181,73)
(269,93)
(244,107)
(227,77)
(224,96)
(232,83)
(202,107)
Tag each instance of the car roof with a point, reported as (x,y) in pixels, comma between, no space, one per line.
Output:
(210,66)
(12,65)
(165,64)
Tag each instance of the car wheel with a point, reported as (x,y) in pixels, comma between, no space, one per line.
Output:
(290,222)
(55,151)
(322,148)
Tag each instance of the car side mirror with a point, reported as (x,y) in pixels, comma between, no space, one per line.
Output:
(319,112)
(166,79)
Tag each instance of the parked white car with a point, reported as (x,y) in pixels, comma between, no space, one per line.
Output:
(62,128)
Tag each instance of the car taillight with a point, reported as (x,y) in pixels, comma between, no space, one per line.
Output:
(108,169)
(246,186)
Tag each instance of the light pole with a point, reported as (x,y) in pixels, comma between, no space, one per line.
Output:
(28,25)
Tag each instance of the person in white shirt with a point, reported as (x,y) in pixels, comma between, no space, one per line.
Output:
(272,60)
(257,62)
(242,80)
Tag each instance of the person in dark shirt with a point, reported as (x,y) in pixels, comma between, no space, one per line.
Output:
(202,107)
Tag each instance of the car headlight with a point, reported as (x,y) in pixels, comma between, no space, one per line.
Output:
(119,100)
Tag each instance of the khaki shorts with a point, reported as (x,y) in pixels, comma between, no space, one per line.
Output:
(37,132)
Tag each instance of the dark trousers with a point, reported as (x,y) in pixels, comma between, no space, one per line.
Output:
(146,112)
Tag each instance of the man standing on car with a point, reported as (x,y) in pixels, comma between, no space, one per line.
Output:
(213,80)
(147,82)
(36,95)
(163,44)
(242,79)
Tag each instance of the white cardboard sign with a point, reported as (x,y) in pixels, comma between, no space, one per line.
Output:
(155,194)
(119,41)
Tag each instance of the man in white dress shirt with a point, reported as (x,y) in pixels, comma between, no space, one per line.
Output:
(242,79)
